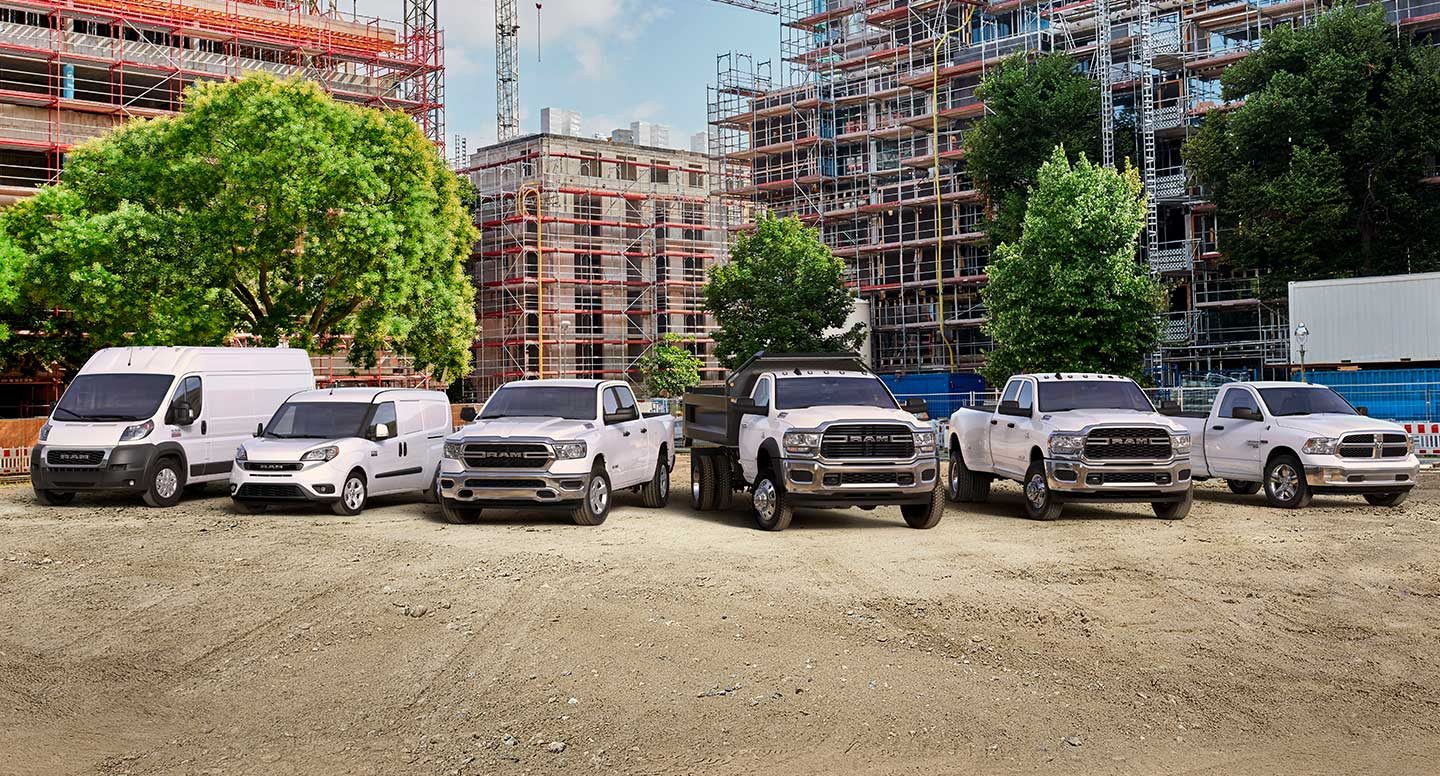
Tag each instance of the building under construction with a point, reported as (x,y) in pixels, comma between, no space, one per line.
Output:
(858,130)
(72,69)
(591,251)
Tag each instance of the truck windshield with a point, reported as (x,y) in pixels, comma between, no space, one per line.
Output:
(1067,395)
(1305,401)
(793,393)
(533,401)
(113,397)
(318,420)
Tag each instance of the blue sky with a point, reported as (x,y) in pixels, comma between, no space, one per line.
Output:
(615,61)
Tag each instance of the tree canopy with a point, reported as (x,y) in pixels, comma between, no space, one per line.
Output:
(668,369)
(1317,172)
(1070,295)
(1031,106)
(266,208)
(782,291)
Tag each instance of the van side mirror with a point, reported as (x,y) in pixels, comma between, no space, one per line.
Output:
(183,413)
(467,414)
(259,429)
(381,431)
(917,407)
(1245,413)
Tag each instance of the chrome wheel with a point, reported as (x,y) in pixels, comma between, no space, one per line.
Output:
(1036,491)
(1284,482)
(664,483)
(954,479)
(599,495)
(763,499)
(354,494)
(167,483)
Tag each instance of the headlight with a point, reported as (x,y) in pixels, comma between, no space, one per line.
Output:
(1320,446)
(925,441)
(321,454)
(566,451)
(1181,444)
(1409,444)
(137,431)
(44,432)
(1067,444)
(455,450)
(240,454)
(804,442)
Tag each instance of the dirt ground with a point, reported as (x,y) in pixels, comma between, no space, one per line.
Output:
(200,641)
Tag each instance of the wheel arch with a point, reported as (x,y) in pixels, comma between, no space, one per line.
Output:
(1276,452)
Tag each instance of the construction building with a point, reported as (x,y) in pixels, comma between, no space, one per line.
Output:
(559,121)
(72,69)
(858,130)
(591,251)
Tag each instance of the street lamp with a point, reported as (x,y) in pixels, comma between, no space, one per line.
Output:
(1302,335)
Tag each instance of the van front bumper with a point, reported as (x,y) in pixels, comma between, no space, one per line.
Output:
(1348,475)
(522,487)
(123,469)
(815,483)
(1078,480)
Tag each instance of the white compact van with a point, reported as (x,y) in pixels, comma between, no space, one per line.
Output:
(151,420)
(342,446)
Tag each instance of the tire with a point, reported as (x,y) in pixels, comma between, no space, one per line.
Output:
(1243,488)
(54,498)
(431,494)
(595,505)
(1387,499)
(964,486)
(1175,510)
(1040,501)
(702,482)
(724,483)
(656,492)
(249,507)
(769,504)
(926,515)
(457,513)
(165,483)
(353,495)
(1285,485)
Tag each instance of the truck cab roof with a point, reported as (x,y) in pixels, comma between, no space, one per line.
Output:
(782,375)
(1056,377)
(572,383)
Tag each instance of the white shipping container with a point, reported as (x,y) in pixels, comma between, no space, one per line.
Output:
(1373,320)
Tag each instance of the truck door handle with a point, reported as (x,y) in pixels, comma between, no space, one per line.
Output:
(1009,425)
(994,422)
(626,433)
(644,430)
(1217,428)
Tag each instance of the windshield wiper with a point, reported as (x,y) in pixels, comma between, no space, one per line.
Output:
(111,417)
(72,413)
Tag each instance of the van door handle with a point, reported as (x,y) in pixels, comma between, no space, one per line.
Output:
(1217,428)
(203,428)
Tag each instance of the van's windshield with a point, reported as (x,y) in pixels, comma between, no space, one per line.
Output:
(318,420)
(113,397)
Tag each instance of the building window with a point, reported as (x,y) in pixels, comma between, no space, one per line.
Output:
(660,173)
(590,164)
(627,170)
(697,177)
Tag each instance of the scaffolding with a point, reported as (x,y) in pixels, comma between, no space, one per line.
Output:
(72,69)
(591,252)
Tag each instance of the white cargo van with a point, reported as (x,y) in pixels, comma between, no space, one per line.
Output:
(342,446)
(152,420)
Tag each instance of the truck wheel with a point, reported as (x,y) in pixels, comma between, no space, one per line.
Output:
(54,498)
(165,484)
(963,485)
(926,515)
(1175,510)
(1387,499)
(1243,488)
(1040,501)
(772,509)
(724,483)
(595,506)
(1285,485)
(702,482)
(352,495)
(657,491)
(458,513)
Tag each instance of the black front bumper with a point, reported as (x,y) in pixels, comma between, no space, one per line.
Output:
(856,499)
(277,493)
(124,470)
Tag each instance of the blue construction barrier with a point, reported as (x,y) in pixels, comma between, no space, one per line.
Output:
(1405,395)
(944,391)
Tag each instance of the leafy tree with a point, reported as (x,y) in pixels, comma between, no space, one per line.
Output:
(265,207)
(1317,173)
(1031,106)
(1070,295)
(782,291)
(668,369)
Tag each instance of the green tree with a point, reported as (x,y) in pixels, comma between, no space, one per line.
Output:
(1317,171)
(265,207)
(668,369)
(1031,106)
(782,291)
(1070,295)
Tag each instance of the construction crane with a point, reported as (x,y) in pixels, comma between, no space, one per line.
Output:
(507,59)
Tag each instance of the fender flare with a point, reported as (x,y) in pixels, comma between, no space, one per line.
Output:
(168,449)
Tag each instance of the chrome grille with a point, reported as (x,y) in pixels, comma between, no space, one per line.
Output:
(506,455)
(74,457)
(1127,444)
(1374,446)
(868,441)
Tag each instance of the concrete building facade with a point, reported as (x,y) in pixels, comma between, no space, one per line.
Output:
(560,121)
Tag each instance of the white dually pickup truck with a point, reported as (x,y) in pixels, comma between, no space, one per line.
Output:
(1296,440)
(556,443)
(1072,437)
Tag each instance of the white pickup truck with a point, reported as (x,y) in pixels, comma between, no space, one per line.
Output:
(556,443)
(810,430)
(1072,437)
(1296,440)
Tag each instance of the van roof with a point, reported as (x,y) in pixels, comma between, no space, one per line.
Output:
(368,394)
(180,360)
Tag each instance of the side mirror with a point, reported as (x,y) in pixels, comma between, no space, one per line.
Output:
(1013,408)
(1245,413)
(381,431)
(917,407)
(612,418)
(259,429)
(183,413)
(1169,407)
(468,414)
(747,406)
(1364,411)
